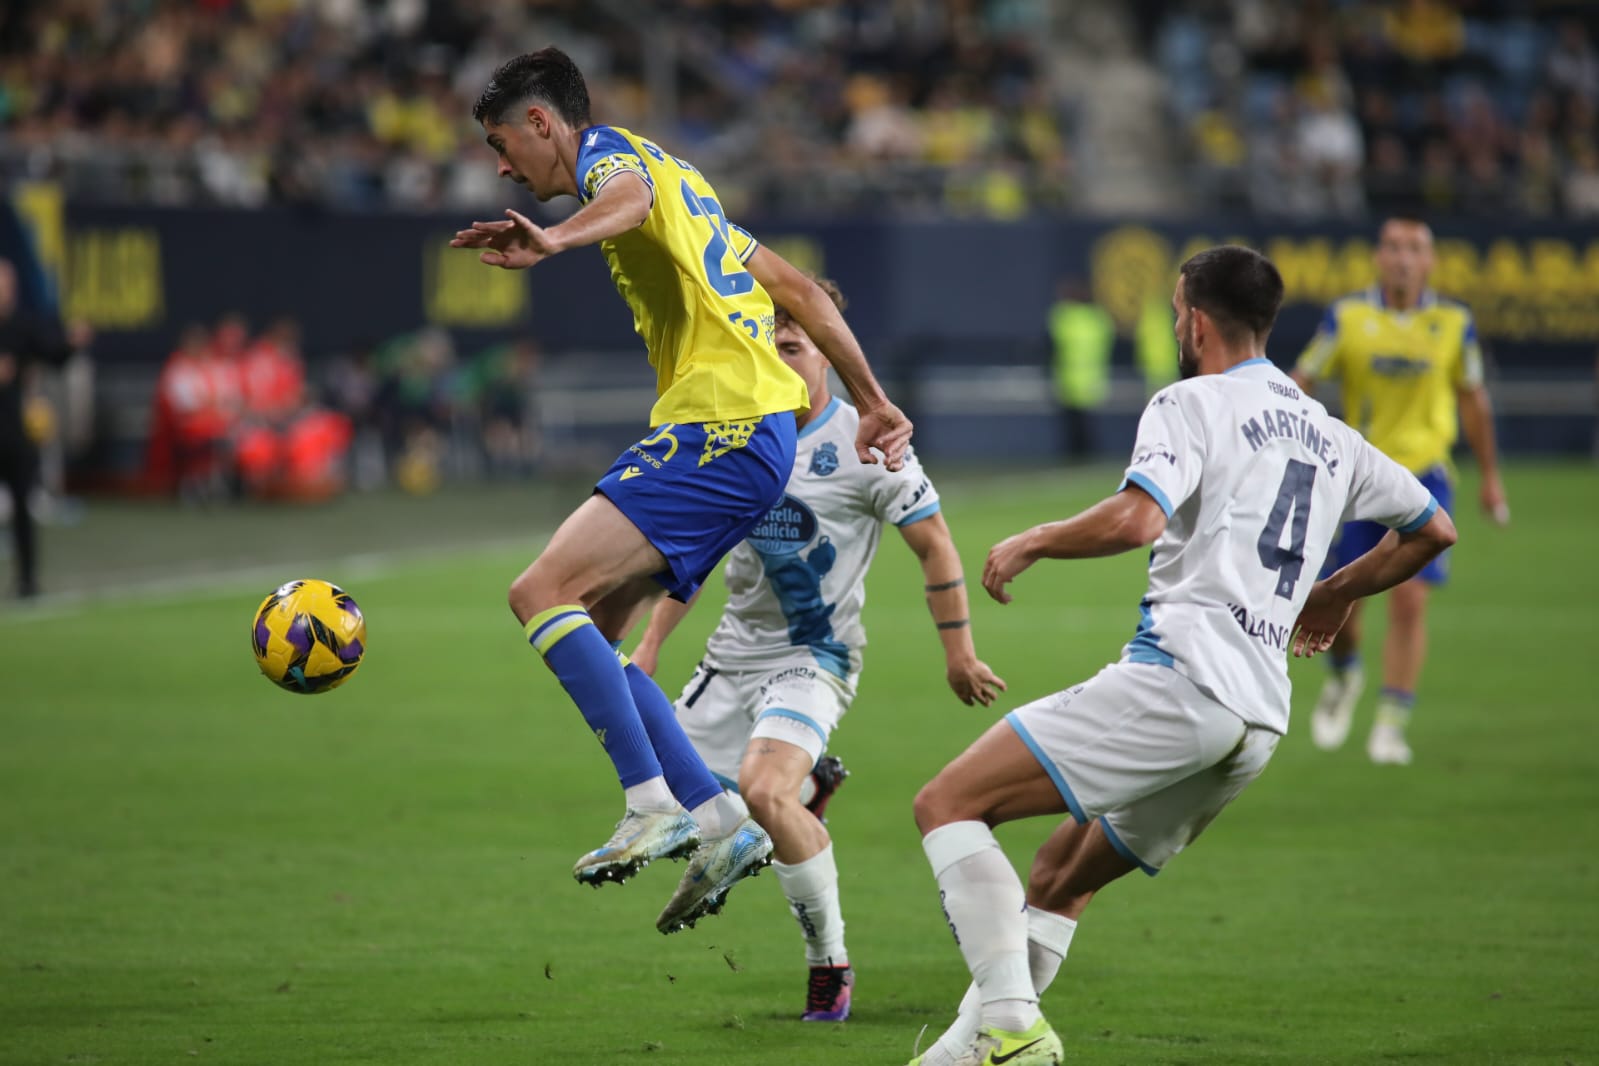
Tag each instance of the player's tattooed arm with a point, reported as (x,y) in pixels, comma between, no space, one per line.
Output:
(969,677)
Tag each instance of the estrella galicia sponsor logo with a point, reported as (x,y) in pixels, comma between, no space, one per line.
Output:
(785,530)
(824,460)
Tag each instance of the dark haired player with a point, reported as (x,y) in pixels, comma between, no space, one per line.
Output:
(720,447)
(1240,482)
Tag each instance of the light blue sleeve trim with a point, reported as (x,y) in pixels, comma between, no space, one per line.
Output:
(1124,851)
(1143,481)
(784,712)
(916,516)
(1049,768)
(1425,516)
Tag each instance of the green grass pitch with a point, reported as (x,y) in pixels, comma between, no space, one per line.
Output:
(197,867)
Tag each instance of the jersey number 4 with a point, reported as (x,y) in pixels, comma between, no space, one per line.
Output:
(739,281)
(1293,501)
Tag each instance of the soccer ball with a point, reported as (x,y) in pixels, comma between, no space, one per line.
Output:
(308,636)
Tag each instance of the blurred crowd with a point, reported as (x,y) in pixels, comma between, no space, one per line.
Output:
(1344,107)
(953,107)
(235,415)
(366,103)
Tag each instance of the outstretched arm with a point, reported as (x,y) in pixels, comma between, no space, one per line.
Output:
(883,426)
(622,204)
(664,618)
(1130,519)
(1477,420)
(969,677)
(1397,558)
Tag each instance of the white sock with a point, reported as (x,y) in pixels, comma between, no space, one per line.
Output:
(812,891)
(807,790)
(1049,936)
(651,795)
(987,911)
(719,815)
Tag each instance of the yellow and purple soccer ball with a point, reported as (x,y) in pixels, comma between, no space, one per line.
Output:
(308,636)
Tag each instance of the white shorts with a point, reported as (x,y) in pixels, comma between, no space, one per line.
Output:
(722,711)
(1143,749)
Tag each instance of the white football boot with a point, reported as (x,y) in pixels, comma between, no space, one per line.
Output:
(1335,708)
(641,837)
(1386,745)
(714,868)
(1038,1046)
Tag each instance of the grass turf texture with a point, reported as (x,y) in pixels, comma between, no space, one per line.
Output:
(200,867)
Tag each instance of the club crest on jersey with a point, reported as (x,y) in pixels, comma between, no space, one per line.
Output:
(824,460)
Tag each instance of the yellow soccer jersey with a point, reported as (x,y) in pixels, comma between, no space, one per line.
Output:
(1399,372)
(706,322)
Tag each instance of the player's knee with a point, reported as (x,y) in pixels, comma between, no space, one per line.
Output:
(766,795)
(538,588)
(933,808)
(522,598)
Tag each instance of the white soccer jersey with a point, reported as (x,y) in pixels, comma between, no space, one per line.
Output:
(796,585)
(1255,478)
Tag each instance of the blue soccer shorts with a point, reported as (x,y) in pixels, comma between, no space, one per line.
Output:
(1358,538)
(696,489)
